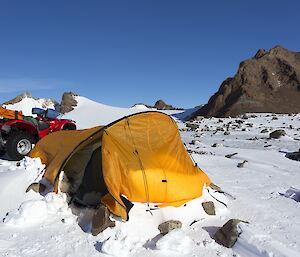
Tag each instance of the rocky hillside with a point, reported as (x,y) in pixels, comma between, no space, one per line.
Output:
(268,82)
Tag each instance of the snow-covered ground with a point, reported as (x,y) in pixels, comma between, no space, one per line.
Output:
(89,114)
(262,193)
(27,103)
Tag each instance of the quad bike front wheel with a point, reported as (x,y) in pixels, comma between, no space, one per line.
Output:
(19,144)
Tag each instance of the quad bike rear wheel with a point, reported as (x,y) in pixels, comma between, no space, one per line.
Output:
(19,144)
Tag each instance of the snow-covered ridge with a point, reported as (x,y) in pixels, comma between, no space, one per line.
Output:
(89,114)
(27,102)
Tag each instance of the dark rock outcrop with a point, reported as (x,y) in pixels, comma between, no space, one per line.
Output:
(268,82)
(160,105)
(68,102)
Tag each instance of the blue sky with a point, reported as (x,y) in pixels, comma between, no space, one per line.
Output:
(124,52)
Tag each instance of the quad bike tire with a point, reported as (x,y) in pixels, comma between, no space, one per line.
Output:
(18,145)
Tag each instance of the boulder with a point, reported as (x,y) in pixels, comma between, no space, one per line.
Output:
(229,233)
(277,133)
(101,220)
(209,208)
(168,226)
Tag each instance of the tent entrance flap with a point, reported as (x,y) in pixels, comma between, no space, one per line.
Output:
(83,174)
(92,186)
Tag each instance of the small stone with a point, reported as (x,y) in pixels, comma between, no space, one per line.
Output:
(277,133)
(168,226)
(274,118)
(199,118)
(216,145)
(242,164)
(229,233)
(209,208)
(192,126)
(264,131)
(230,155)
(226,133)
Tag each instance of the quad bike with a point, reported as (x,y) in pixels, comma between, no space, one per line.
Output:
(19,133)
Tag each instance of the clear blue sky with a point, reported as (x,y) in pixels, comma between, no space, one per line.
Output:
(123,52)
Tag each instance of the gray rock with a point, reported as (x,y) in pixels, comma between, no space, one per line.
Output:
(230,155)
(168,226)
(101,220)
(199,118)
(209,208)
(192,126)
(216,145)
(264,131)
(228,234)
(242,164)
(277,133)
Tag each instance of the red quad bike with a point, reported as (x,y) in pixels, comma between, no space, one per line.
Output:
(17,137)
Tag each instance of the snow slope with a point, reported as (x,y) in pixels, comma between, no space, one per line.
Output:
(89,114)
(27,103)
(260,193)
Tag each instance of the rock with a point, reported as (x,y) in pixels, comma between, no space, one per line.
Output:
(230,155)
(274,118)
(101,220)
(269,83)
(199,118)
(194,142)
(264,131)
(192,126)
(215,187)
(36,187)
(216,145)
(168,226)
(229,233)
(294,156)
(226,133)
(68,102)
(242,164)
(161,105)
(277,133)
(209,208)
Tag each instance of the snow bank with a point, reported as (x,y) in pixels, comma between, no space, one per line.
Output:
(27,103)
(15,178)
(89,114)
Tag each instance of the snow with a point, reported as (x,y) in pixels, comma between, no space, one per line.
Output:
(89,114)
(264,192)
(27,103)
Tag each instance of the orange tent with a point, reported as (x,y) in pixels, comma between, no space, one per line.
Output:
(139,158)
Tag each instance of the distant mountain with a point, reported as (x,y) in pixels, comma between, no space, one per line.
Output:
(159,105)
(25,102)
(268,82)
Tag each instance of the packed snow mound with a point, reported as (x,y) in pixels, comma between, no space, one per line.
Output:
(89,114)
(27,103)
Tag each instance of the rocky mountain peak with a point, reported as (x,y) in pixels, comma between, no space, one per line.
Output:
(267,82)
(19,98)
